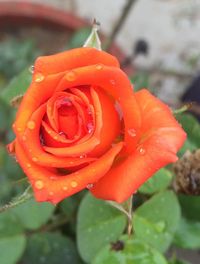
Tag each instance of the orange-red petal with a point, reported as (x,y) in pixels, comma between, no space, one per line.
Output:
(49,186)
(160,140)
(71,59)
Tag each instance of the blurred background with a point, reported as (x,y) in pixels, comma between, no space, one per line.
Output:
(158,45)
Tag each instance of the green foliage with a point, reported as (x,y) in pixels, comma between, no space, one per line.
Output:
(190,206)
(188,234)
(15,56)
(160,181)
(98,224)
(156,221)
(12,240)
(133,251)
(192,127)
(17,86)
(140,81)
(50,248)
(78,38)
(32,214)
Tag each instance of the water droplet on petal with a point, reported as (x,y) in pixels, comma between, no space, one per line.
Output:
(90,127)
(39,77)
(51,193)
(39,184)
(28,165)
(74,184)
(132,132)
(31,69)
(61,133)
(19,129)
(31,124)
(112,82)
(24,138)
(90,186)
(142,151)
(70,76)
(99,66)
(65,188)
(82,156)
(34,159)
(55,137)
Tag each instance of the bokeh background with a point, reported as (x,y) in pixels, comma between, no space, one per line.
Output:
(158,45)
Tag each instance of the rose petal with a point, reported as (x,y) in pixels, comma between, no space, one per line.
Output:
(71,59)
(35,151)
(84,147)
(49,186)
(161,138)
(115,83)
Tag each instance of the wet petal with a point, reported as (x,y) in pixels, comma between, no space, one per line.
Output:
(71,59)
(161,138)
(49,186)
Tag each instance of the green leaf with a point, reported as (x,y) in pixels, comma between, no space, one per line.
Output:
(17,86)
(33,214)
(98,224)
(192,127)
(140,81)
(50,248)
(188,234)
(134,251)
(160,181)
(156,221)
(12,248)
(12,240)
(190,206)
(178,261)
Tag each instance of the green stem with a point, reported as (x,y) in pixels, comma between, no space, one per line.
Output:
(17,201)
(128,213)
(183,109)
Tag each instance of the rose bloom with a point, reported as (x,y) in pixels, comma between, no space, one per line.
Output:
(80,125)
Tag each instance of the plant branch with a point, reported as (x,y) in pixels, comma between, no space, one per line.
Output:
(17,200)
(119,24)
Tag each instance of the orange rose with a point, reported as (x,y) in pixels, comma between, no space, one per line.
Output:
(80,125)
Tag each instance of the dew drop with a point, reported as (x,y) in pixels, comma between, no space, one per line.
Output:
(82,156)
(99,66)
(112,82)
(65,188)
(31,124)
(55,137)
(19,129)
(51,193)
(39,77)
(142,151)
(61,133)
(90,186)
(31,69)
(34,159)
(24,138)
(13,126)
(28,165)
(132,132)
(39,184)
(70,76)
(90,128)
(74,184)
